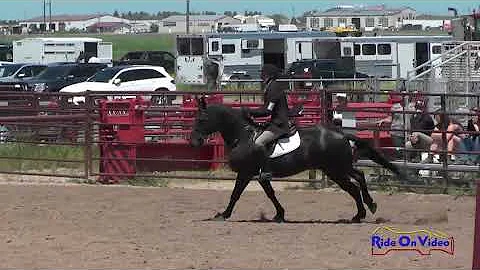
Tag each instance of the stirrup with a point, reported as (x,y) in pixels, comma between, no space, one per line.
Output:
(265,176)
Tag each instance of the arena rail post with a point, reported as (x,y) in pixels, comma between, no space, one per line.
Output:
(476,232)
(88,140)
(444,152)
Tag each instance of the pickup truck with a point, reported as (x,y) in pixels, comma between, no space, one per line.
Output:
(154,58)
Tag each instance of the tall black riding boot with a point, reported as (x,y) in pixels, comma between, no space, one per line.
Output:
(265,173)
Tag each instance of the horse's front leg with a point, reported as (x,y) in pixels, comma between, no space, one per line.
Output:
(267,187)
(240,184)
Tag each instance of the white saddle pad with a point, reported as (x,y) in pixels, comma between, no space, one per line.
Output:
(286,145)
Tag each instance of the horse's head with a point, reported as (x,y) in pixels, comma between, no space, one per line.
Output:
(204,125)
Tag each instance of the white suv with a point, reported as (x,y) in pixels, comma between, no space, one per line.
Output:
(126,78)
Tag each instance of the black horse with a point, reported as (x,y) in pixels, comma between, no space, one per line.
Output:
(320,148)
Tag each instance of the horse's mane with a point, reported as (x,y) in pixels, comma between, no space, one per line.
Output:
(231,114)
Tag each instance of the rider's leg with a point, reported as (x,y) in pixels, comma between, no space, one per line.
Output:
(260,143)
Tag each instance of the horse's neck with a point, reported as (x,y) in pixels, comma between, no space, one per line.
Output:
(234,132)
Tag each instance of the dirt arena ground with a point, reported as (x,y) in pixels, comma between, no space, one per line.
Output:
(81,226)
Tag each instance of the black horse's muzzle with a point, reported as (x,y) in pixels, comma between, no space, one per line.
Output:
(196,140)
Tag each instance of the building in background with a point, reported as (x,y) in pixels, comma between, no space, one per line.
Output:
(60,23)
(198,23)
(363,18)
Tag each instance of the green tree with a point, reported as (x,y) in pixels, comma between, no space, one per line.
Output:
(279,19)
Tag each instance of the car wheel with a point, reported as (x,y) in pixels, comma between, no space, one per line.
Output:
(162,100)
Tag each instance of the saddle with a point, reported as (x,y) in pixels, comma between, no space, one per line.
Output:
(285,143)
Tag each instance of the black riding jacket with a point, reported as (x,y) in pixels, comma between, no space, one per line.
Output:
(275,105)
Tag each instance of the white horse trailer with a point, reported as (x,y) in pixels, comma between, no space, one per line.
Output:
(395,56)
(50,50)
(243,54)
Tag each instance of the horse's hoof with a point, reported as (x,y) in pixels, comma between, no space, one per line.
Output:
(219,217)
(372,207)
(279,219)
(356,219)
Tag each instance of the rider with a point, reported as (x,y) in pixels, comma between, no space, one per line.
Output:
(275,105)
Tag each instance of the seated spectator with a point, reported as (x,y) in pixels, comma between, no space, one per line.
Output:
(342,118)
(342,102)
(395,122)
(454,135)
(471,142)
(422,126)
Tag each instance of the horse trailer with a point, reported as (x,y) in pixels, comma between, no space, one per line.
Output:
(50,50)
(243,54)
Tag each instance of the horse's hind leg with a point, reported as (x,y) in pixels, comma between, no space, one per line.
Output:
(267,187)
(360,177)
(240,184)
(344,182)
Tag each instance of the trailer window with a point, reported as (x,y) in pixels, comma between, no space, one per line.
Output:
(356,49)
(197,46)
(183,46)
(150,74)
(368,49)
(384,49)
(252,43)
(190,46)
(215,46)
(436,49)
(228,48)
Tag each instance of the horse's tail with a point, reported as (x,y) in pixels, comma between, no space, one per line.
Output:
(365,148)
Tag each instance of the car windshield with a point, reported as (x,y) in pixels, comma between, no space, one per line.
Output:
(54,72)
(104,75)
(8,70)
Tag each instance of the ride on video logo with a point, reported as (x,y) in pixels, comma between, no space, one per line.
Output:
(386,239)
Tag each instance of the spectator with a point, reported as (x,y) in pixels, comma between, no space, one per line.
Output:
(396,123)
(342,118)
(341,104)
(422,127)
(212,71)
(454,135)
(471,142)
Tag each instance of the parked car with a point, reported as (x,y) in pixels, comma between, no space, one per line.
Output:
(127,78)
(323,69)
(57,76)
(154,58)
(19,72)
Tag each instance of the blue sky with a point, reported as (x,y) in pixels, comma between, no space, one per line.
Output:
(21,9)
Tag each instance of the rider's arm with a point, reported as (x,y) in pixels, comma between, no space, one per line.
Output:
(267,108)
(263,111)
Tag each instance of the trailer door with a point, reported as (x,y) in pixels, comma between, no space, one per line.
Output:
(91,49)
(406,58)
(304,50)
(435,55)
(105,52)
(189,64)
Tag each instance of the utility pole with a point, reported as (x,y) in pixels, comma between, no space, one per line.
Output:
(44,16)
(188,17)
(50,14)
